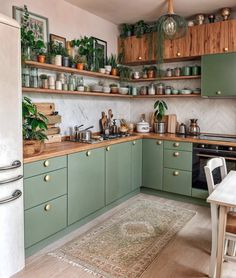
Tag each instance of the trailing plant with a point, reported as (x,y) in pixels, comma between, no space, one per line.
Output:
(125,73)
(34,123)
(160,107)
(126,30)
(140,28)
(112,61)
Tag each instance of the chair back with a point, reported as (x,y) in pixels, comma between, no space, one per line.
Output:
(212,164)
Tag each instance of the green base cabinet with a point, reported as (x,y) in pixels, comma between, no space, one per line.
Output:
(152,164)
(178,160)
(86,183)
(118,171)
(218,75)
(136,164)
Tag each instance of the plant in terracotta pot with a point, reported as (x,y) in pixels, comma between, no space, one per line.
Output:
(40,51)
(151,71)
(112,61)
(80,62)
(34,124)
(160,107)
(114,88)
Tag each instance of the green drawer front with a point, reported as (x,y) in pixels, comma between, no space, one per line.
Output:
(44,166)
(178,160)
(174,145)
(177,181)
(40,224)
(38,190)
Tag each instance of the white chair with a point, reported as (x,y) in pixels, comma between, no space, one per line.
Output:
(230,236)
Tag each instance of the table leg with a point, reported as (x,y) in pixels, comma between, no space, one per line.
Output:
(221,237)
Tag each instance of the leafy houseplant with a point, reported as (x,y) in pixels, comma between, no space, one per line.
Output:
(125,73)
(160,107)
(126,30)
(56,51)
(34,124)
(80,61)
(112,61)
(140,28)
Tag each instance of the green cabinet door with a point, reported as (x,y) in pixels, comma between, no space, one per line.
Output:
(136,164)
(118,171)
(218,75)
(86,183)
(152,163)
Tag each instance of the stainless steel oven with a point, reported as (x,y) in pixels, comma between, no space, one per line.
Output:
(201,154)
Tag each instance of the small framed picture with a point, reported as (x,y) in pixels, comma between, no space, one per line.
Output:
(38,24)
(58,39)
(100,44)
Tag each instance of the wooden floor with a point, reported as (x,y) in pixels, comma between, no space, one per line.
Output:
(186,256)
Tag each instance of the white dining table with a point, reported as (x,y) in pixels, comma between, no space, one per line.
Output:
(225,197)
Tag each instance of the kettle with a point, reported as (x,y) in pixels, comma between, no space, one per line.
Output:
(194,129)
(182,129)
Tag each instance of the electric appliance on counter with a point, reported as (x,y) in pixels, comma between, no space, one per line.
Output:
(12,257)
(202,153)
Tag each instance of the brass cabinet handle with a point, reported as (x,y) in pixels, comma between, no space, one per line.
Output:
(225,49)
(47,207)
(134,142)
(176,154)
(139,58)
(46,163)
(176,173)
(176,144)
(88,153)
(178,54)
(159,142)
(47,178)
(108,148)
(218,92)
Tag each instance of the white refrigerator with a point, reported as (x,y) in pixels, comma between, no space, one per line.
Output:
(12,257)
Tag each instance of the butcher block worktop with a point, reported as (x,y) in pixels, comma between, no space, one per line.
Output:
(66,147)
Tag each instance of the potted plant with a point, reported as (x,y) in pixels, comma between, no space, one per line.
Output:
(114,88)
(72,62)
(151,71)
(112,61)
(44,81)
(140,28)
(80,62)
(65,58)
(126,30)
(125,73)
(160,107)
(40,51)
(56,53)
(34,124)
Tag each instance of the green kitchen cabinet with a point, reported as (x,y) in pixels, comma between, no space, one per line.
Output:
(118,171)
(136,164)
(218,75)
(178,160)
(86,183)
(152,164)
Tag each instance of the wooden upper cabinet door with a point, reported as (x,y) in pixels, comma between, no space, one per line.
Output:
(217,38)
(128,50)
(139,49)
(197,41)
(181,47)
(232,35)
(168,49)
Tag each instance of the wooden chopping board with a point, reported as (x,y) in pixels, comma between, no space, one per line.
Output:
(45,108)
(172,122)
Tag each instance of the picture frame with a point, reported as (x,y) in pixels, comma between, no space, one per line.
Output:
(58,39)
(38,23)
(98,43)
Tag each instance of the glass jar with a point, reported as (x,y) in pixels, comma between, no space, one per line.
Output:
(177,71)
(151,89)
(169,72)
(160,88)
(168,90)
(34,82)
(26,77)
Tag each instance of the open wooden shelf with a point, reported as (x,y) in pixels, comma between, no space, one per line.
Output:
(166,78)
(101,94)
(60,92)
(70,70)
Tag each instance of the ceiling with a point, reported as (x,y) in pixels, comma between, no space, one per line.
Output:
(130,11)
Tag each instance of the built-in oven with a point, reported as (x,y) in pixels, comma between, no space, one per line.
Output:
(201,154)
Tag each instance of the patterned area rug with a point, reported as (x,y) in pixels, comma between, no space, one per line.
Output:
(126,244)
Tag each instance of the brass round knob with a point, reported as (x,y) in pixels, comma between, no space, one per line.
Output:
(134,142)
(46,163)
(47,178)
(230,148)
(139,58)
(159,142)
(175,173)
(108,148)
(218,92)
(47,207)
(176,154)
(225,49)
(178,54)
(176,144)
(88,153)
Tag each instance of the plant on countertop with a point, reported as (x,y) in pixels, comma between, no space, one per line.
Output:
(160,107)
(28,41)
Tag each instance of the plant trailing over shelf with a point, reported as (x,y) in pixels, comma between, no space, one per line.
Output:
(126,30)
(160,107)
(140,28)
(34,123)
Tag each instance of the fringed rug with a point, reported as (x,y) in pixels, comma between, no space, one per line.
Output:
(127,243)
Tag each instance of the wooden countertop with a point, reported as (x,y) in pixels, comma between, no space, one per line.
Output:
(65,147)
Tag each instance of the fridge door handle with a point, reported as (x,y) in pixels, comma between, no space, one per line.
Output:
(11,180)
(15,164)
(17,194)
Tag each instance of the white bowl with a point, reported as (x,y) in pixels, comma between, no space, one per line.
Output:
(106,90)
(102,70)
(123,90)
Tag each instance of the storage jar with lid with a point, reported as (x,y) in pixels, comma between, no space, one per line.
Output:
(160,88)
(151,89)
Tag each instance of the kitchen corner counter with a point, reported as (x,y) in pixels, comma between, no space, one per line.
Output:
(66,147)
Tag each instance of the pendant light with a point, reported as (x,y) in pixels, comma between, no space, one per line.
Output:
(172,25)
